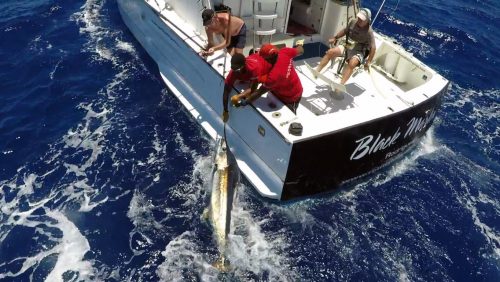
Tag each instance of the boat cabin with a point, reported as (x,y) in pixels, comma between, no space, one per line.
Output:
(279,20)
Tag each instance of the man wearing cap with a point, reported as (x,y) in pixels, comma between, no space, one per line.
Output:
(282,80)
(232,28)
(243,69)
(362,33)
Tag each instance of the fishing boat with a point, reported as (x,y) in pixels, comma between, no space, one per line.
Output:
(382,113)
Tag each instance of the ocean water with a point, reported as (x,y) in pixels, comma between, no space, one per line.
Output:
(104,177)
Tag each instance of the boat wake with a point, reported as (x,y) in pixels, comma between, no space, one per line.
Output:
(46,199)
(424,149)
(251,253)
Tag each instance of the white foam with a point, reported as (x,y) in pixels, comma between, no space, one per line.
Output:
(125,46)
(402,273)
(140,212)
(159,149)
(71,251)
(297,213)
(480,108)
(427,145)
(419,47)
(184,257)
(399,22)
(181,145)
(491,235)
(477,191)
(51,74)
(55,8)
(11,28)
(91,22)
(251,251)
(27,187)
(87,205)
(76,158)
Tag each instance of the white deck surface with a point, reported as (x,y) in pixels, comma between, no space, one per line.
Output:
(369,96)
(318,112)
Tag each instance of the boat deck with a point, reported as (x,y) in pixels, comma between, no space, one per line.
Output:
(370,95)
(320,112)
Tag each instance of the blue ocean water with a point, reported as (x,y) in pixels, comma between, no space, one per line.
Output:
(103,175)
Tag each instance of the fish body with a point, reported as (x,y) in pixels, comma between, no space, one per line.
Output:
(225,177)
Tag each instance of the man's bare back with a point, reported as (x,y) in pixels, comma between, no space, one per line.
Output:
(220,22)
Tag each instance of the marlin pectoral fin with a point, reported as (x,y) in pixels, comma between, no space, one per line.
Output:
(206,213)
(222,264)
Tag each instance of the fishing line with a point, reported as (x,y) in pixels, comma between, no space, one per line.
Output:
(393,10)
(383,2)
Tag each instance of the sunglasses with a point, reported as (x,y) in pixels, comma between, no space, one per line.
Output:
(238,69)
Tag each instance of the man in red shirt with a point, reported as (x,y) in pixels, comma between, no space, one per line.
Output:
(243,69)
(282,80)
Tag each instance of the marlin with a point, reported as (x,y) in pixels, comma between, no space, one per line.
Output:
(225,177)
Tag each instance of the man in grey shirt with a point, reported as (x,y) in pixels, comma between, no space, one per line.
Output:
(359,31)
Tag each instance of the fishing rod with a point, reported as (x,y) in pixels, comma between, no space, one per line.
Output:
(341,65)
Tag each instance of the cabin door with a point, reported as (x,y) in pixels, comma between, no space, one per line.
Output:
(306,17)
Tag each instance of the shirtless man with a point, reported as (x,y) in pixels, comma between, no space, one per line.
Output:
(232,28)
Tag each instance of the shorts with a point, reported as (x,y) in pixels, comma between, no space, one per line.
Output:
(357,51)
(239,41)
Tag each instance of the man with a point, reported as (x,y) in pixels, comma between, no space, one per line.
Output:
(359,31)
(243,69)
(232,28)
(282,80)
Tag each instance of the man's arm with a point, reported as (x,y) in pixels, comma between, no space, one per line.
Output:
(210,37)
(339,34)
(371,55)
(373,48)
(228,86)
(253,86)
(256,94)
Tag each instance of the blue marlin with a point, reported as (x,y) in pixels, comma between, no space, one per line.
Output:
(225,177)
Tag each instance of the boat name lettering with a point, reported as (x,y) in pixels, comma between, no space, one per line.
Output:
(365,145)
(416,124)
(397,151)
(369,144)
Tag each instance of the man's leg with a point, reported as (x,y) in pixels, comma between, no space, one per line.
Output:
(331,53)
(239,41)
(353,62)
(236,50)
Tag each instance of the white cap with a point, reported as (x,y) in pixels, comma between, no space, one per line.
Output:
(364,14)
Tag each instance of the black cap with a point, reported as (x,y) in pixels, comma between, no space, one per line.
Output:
(207,16)
(237,61)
